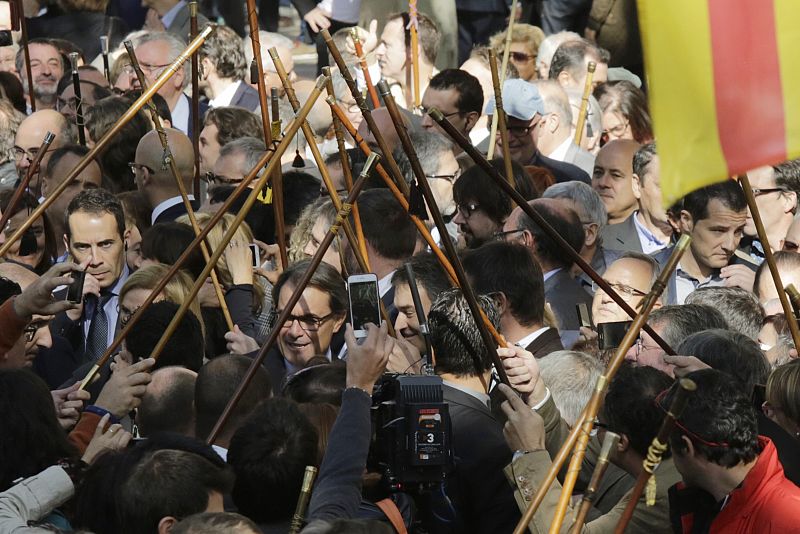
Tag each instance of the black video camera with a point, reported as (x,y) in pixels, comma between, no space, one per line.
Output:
(412,439)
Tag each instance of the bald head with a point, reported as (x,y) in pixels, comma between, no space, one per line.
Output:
(168,402)
(160,184)
(613,178)
(31,133)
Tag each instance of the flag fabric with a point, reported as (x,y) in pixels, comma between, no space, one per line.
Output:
(724,85)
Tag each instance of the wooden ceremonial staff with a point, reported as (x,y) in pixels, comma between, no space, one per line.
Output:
(76,86)
(169,160)
(413,23)
(104,52)
(273,158)
(346,170)
(277,180)
(362,104)
(794,297)
(362,60)
(23,185)
(531,212)
(103,142)
(582,432)
(302,501)
(656,451)
(501,119)
(356,245)
(587,90)
(609,444)
(195,66)
(18,23)
(503,68)
(293,299)
(469,294)
(770,258)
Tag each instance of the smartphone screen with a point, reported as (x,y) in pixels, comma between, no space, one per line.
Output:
(364,302)
(75,289)
(255,253)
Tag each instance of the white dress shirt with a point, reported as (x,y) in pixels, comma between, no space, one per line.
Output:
(226,96)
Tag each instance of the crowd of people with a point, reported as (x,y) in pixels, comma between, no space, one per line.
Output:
(152,444)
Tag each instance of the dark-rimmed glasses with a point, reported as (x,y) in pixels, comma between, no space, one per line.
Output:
(135,167)
(308,322)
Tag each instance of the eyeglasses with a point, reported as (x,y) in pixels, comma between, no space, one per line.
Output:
(449,177)
(70,104)
(520,57)
(790,246)
(520,131)
(615,132)
(625,291)
(425,111)
(759,192)
(468,209)
(308,322)
(640,347)
(152,68)
(30,330)
(212,178)
(501,236)
(20,152)
(133,166)
(125,315)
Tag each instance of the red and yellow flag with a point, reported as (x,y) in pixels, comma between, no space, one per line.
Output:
(724,84)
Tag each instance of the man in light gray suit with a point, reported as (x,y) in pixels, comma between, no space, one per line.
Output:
(554,135)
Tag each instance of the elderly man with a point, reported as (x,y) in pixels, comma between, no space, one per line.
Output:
(47,67)
(613,181)
(29,137)
(525,112)
(555,131)
(155,180)
(631,277)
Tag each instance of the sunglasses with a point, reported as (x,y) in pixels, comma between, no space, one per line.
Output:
(521,57)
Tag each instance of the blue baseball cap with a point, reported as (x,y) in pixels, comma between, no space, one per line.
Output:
(521,100)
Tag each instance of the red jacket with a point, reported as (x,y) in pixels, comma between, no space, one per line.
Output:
(765,503)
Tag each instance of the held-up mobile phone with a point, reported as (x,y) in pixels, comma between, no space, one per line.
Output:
(609,335)
(75,289)
(255,252)
(364,302)
(584,315)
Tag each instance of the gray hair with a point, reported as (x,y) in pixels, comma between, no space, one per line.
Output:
(571,377)
(585,201)
(739,307)
(429,146)
(677,322)
(176,48)
(555,100)
(550,44)
(252,148)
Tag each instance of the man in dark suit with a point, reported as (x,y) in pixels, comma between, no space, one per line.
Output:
(525,111)
(555,133)
(613,181)
(561,291)
(223,69)
(509,273)
(481,498)
(155,180)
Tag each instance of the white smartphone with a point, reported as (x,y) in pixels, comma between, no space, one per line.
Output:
(364,302)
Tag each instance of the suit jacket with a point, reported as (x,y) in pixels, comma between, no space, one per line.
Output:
(173,212)
(246,97)
(563,293)
(547,342)
(482,6)
(583,159)
(181,24)
(81,28)
(563,172)
(482,498)
(622,236)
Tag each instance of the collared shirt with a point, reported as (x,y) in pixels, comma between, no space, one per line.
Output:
(561,150)
(385,284)
(169,16)
(686,283)
(221,451)
(226,96)
(482,397)
(549,274)
(111,307)
(527,340)
(650,243)
(181,115)
(164,206)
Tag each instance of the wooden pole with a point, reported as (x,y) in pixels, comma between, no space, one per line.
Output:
(293,299)
(169,161)
(501,119)
(362,60)
(23,185)
(413,28)
(299,516)
(76,87)
(469,294)
(277,182)
(531,212)
(104,52)
(101,144)
(587,90)
(656,451)
(609,444)
(195,66)
(770,258)
(503,68)
(23,26)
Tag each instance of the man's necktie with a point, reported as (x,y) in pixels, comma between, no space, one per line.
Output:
(97,339)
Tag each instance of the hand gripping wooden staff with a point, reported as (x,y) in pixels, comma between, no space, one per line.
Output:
(531,212)
(101,144)
(169,161)
(609,444)
(293,299)
(581,432)
(271,158)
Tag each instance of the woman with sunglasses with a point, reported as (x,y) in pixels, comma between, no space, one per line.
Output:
(625,112)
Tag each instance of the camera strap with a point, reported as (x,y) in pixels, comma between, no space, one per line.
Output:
(390,510)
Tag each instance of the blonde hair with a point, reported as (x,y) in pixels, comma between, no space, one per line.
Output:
(176,290)
(322,208)
(531,36)
(214,239)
